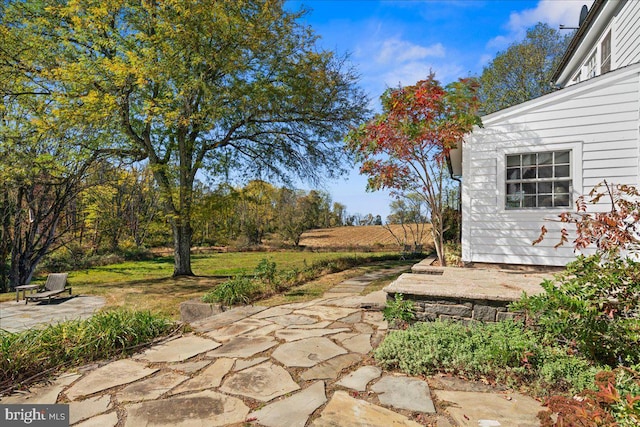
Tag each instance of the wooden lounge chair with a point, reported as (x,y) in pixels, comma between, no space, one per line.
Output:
(56,284)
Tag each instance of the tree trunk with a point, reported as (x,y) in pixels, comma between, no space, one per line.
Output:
(182,248)
(438,239)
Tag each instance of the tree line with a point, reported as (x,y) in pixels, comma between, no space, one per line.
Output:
(117,209)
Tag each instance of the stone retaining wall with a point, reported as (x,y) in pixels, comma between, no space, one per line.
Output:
(458,309)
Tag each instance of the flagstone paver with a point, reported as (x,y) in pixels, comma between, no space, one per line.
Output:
(264,331)
(178,350)
(345,411)
(151,388)
(209,378)
(105,420)
(404,393)
(307,352)
(243,347)
(357,343)
(203,409)
(111,375)
(330,369)
(263,382)
(469,408)
(79,411)
(226,318)
(375,319)
(225,333)
(293,319)
(273,312)
(298,334)
(294,411)
(42,394)
(247,363)
(326,312)
(359,379)
(188,367)
(318,325)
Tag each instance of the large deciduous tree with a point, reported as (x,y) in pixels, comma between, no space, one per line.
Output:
(404,147)
(189,85)
(524,70)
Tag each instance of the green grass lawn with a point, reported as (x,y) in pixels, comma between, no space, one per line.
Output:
(148,285)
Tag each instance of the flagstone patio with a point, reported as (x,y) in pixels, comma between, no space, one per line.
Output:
(304,364)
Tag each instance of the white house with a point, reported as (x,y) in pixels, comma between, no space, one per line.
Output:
(531,161)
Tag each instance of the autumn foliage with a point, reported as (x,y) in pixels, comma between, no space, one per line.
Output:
(610,231)
(597,408)
(404,148)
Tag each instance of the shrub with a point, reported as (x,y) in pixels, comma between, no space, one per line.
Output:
(593,306)
(266,279)
(239,290)
(35,352)
(399,309)
(266,271)
(504,351)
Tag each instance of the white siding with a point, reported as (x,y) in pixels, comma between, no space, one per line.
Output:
(626,43)
(598,120)
(622,19)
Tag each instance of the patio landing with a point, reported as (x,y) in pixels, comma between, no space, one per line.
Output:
(452,293)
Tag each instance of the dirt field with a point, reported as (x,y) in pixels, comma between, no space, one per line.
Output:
(369,236)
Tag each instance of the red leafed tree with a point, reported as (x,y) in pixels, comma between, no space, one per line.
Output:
(611,230)
(404,148)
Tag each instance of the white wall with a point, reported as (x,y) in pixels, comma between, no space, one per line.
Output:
(598,120)
(626,40)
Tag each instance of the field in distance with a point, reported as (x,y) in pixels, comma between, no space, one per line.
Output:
(366,236)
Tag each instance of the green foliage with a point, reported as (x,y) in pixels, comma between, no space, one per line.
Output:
(593,306)
(524,71)
(453,253)
(452,223)
(504,351)
(239,290)
(267,279)
(399,309)
(43,351)
(266,271)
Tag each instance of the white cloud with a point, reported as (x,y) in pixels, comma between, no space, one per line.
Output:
(397,50)
(484,60)
(411,72)
(552,12)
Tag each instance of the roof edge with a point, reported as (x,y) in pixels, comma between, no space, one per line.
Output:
(596,8)
(603,79)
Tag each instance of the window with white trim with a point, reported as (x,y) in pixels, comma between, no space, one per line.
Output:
(592,66)
(538,180)
(605,54)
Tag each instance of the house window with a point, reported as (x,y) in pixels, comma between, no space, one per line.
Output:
(605,54)
(578,77)
(538,180)
(591,66)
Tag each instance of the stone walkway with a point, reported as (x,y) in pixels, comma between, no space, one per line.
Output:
(302,364)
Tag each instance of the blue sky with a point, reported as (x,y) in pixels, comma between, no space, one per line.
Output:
(399,41)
